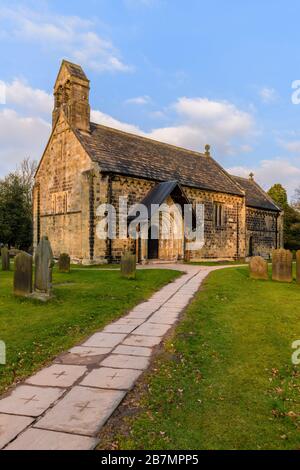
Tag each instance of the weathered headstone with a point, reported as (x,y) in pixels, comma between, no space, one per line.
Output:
(5,259)
(282,265)
(64,263)
(43,267)
(258,268)
(23,275)
(128,266)
(298,266)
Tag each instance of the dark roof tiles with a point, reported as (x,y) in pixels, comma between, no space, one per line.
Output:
(127,154)
(255,196)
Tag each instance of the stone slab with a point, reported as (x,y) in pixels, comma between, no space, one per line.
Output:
(152,329)
(40,439)
(146,341)
(115,379)
(139,315)
(163,319)
(133,350)
(129,321)
(58,375)
(89,352)
(104,340)
(11,426)
(122,361)
(82,411)
(28,400)
(118,328)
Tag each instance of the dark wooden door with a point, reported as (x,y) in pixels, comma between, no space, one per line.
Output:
(152,245)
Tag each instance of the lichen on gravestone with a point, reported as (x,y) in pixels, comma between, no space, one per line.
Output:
(23,274)
(282,265)
(258,268)
(128,266)
(64,263)
(43,267)
(5,259)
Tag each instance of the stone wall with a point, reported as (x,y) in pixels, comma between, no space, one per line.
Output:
(263,232)
(61,204)
(226,242)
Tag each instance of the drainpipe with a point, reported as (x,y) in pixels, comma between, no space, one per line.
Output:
(92,215)
(109,200)
(237,232)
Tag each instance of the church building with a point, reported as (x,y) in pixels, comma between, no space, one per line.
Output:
(86,165)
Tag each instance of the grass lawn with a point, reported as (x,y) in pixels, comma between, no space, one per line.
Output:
(85,301)
(225,380)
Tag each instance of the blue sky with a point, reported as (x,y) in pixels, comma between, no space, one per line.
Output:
(186,72)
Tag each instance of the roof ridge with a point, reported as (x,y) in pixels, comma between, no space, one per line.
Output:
(149,139)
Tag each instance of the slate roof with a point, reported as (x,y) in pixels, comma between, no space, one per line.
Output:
(128,154)
(75,70)
(255,196)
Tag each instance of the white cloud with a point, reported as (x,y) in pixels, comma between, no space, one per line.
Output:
(69,35)
(269,172)
(197,121)
(201,121)
(139,100)
(101,118)
(35,101)
(20,137)
(268,95)
(292,146)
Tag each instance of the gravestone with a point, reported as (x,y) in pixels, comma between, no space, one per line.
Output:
(43,268)
(258,268)
(128,266)
(298,266)
(64,263)
(5,259)
(282,265)
(23,275)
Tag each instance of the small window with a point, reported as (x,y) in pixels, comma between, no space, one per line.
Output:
(219,215)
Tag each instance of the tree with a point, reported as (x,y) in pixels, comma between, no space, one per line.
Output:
(291,217)
(16,206)
(279,195)
(296,199)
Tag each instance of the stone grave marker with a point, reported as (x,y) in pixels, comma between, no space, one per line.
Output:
(282,265)
(23,275)
(64,263)
(5,259)
(258,268)
(128,266)
(43,268)
(298,266)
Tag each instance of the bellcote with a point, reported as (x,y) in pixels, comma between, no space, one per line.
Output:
(71,94)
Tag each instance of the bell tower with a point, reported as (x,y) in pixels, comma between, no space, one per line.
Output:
(71,94)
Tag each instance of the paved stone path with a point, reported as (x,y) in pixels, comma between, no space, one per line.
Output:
(63,406)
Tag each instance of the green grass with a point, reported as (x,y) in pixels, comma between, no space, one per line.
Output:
(84,302)
(225,380)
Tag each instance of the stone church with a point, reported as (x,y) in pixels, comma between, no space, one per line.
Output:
(86,164)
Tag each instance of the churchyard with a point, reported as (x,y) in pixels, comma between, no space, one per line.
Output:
(83,301)
(225,379)
(229,360)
